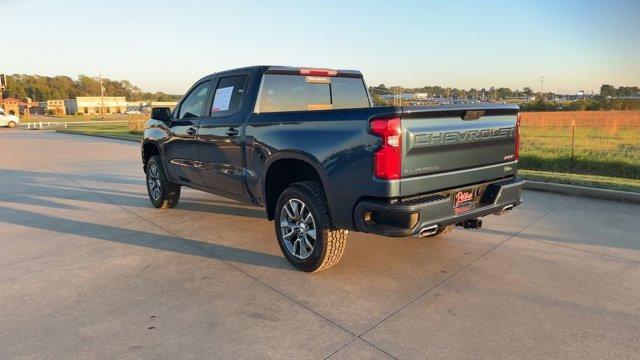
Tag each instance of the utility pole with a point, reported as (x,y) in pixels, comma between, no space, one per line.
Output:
(3,84)
(542,86)
(101,97)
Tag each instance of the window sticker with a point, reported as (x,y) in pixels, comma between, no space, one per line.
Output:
(221,99)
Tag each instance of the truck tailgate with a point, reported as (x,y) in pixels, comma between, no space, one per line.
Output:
(449,143)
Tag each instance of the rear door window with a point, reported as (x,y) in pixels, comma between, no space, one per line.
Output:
(228,96)
(302,93)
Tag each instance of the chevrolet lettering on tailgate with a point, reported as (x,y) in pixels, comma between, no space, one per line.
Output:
(461,137)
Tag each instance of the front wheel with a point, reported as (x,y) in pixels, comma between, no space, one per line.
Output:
(162,192)
(304,230)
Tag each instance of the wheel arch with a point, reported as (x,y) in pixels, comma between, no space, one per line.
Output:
(274,182)
(149,149)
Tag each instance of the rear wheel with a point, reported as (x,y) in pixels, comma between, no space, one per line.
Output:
(304,230)
(162,192)
(11,124)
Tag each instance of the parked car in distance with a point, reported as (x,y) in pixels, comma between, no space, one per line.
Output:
(133,112)
(8,120)
(308,146)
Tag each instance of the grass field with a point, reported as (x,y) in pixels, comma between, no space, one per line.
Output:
(120,130)
(603,143)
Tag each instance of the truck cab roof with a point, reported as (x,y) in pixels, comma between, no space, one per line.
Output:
(277,69)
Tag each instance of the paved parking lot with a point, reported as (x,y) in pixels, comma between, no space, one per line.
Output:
(88,269)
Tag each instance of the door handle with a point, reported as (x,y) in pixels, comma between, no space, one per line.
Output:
(191,131)
(232,132)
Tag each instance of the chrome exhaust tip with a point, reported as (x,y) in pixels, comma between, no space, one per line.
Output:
(429,230)
(505,209)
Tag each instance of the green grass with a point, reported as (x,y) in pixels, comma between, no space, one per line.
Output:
(603,182)
(596,150)
(117,130)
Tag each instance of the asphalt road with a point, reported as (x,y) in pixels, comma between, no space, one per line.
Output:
(88,269)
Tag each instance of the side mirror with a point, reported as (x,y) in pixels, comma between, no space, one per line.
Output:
(161,113)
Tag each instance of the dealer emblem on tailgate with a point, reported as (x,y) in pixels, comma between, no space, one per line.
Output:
(463,197)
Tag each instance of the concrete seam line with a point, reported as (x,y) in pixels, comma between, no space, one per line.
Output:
(365,341)
(584,191)
(341,347)
(461,269)
(375,347)
(201,249)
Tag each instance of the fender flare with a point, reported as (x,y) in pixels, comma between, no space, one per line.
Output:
(297,155)
(146,142)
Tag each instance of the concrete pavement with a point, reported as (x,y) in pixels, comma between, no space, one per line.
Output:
(89,269)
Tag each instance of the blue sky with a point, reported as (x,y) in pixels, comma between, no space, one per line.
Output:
(167,45)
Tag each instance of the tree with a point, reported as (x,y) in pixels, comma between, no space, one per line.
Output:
(607,90)
(504,93)
(41,88)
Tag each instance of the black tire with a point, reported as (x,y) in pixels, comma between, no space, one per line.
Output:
(329,243)
(443,230)
(11,124)
(167,194)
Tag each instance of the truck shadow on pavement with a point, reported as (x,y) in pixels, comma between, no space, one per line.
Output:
(36,193)
(141,238)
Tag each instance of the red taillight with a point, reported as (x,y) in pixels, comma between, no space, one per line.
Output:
(318,72)
(517,152)
(388,158)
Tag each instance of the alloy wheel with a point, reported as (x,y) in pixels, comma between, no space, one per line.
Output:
(153,182)
(298,229)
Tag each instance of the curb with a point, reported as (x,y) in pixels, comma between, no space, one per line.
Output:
(583,191)
(113,137)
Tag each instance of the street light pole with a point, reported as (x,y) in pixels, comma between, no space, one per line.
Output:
(101,97)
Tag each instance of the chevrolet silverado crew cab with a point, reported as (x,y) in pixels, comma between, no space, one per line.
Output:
(308,146)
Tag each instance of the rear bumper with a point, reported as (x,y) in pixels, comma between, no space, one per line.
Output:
(409,216)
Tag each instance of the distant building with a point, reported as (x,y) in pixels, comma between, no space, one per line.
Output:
(91,105)
(11,106)
(56,107)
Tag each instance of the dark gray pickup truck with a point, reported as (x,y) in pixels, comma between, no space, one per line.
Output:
(308,146)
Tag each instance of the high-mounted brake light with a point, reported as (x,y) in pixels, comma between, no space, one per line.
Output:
(318,72)
(517,152)
(387,160)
